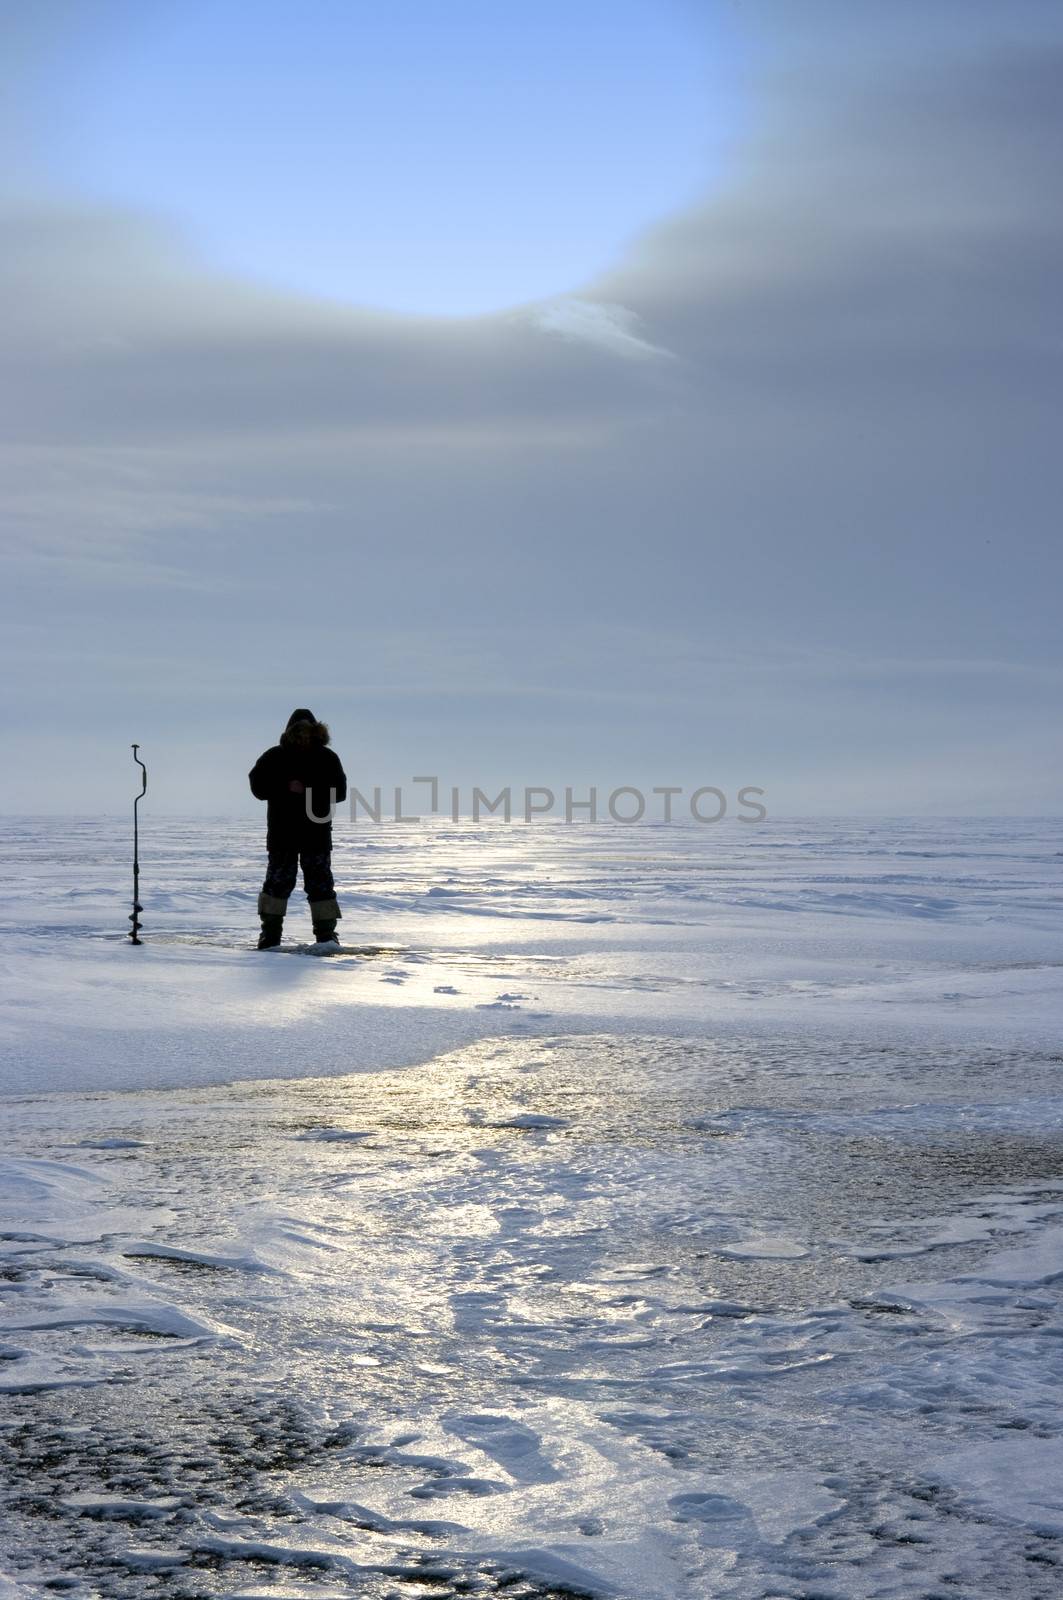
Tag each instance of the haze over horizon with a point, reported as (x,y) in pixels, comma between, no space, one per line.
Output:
(692,415)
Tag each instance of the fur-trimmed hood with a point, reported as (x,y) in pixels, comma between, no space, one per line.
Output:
(303,730)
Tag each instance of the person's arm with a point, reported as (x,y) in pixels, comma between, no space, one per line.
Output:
(263,776)
(329,789)
(339,781)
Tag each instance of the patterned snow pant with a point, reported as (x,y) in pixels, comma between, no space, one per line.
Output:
(317,881)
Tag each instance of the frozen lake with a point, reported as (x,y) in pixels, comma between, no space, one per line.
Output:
(664,1212)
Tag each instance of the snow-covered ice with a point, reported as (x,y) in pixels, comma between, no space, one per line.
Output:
(666,1213)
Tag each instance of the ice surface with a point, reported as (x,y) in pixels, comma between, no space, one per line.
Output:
(453,933)
(712,1250)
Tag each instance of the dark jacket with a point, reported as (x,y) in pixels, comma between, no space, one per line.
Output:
(302,753)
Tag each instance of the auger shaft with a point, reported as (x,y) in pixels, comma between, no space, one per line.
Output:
(137,907)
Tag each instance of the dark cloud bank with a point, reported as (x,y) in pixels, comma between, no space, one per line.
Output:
(772,502)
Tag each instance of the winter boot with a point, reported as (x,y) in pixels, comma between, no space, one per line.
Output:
(325,932)
(272,928)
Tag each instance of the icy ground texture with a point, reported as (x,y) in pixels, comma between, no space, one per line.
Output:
(713,1249)
(592,1315)
(936,929)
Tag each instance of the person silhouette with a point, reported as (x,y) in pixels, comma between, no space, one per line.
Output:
(302,781)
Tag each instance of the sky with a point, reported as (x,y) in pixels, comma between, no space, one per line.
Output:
(585,393)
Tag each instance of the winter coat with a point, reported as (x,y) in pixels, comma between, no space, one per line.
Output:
(302,753)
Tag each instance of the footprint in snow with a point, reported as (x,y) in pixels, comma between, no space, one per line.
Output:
(437,1488)
(635,1271)
(710,1508)
(532,1119)
(333,1135)
(505,1440)
(111,1144)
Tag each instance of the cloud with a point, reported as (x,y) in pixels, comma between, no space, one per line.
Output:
(610,327)
(119,335)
